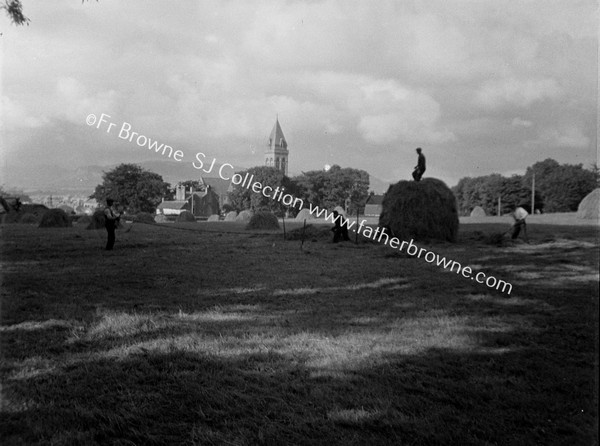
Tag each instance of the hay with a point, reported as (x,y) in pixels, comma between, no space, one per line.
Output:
(83,220)
(186,216)
(213,217)
(263,220)
(340,210)
(15,216)
(244,216)
(98,220)
(304,214)
(160,218)
(144,217)
(231,216)
(28,219)
(55,218)
(589,208)
(422,210)
(478,212)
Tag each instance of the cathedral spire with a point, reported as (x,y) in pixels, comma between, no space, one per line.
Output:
(277,152)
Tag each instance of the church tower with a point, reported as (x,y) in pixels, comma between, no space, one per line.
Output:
(277,153)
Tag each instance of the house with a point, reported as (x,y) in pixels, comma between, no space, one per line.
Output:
(202,203)
(374,205)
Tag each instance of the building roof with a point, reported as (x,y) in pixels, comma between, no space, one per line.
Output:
(172,205)
(277,139)
(218,185)
(375,199)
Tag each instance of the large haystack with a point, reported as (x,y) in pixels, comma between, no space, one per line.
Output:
(29,219)
(98,220)
(68,209)
(244,216)
(231,216)
(213,217)
(590,205)
(187,217)
(83,220)
(304,214)
(421,210)
(478,211)
(263,220)
(55,218)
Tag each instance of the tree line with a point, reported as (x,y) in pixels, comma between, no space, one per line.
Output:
(139,190)
(558,188)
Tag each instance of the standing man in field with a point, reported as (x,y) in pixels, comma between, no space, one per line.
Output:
(420,167)
(111,218)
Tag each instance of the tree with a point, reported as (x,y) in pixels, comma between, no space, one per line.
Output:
(335,187)
(242,197)
(133,188)
(562,186)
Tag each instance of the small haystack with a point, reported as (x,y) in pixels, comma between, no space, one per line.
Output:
(83,220)
(340,210)
(421,210)
(213,217)
(186,217)
(478,212)
(160,218)
(263,220)
(98,220)
(55,218)
(244,216)
(589,207)
(304,214)
(144,217)
(231,216)
(28,219)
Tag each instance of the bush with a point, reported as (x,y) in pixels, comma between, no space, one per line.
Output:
(55,218)
(421,210)
(186,216)
(263,220)
(98,220)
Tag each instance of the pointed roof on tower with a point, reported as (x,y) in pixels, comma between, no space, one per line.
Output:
(277,139)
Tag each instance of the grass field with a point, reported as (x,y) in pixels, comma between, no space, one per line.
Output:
(186,334)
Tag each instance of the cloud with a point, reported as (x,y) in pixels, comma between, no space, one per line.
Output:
(518,122)
(569,136)
(516,92)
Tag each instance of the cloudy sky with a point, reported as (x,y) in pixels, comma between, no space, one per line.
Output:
(482,86)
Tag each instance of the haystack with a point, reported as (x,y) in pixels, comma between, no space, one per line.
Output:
(421,210)
(340,210)
(186,216)
(55,218)
(160,218)
(231,216)
(590,206)
(478,212)
(304,214)
(144,217)
(98,220)
(263,220)
(28,219)
(83,220)
(244,216)
(213,217)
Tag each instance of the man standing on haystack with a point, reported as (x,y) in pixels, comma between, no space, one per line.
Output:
(420,167)
(111,218)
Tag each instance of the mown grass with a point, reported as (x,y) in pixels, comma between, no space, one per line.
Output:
(181,336)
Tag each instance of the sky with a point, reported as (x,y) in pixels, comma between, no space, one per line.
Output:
(487,86)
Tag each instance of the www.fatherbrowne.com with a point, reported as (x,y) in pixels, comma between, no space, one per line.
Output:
(381,236)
